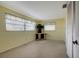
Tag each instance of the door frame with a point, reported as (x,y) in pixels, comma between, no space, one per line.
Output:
(71,4)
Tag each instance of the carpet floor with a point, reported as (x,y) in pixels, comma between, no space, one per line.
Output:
(38,49)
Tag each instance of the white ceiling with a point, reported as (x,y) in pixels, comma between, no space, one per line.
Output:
(42,10)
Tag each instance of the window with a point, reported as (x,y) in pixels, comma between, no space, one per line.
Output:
(49,27)
(14,23)
(18,24)
(29,26)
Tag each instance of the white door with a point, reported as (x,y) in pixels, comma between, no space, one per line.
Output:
(76,30)
(72,29)
(69,29)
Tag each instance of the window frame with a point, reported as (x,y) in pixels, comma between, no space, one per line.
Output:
(18,24)
(31,22)
(50,24)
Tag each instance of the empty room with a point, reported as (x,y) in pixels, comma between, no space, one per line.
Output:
(39,29)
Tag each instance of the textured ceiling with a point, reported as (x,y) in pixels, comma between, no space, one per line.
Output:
(42,10)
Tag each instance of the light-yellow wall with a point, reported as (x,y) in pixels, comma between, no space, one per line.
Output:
(58,34)
(11,39)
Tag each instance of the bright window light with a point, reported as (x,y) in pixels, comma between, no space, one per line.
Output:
(29,26)
(50,27)
(18,24)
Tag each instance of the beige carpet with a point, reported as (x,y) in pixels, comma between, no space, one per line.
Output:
(38,49)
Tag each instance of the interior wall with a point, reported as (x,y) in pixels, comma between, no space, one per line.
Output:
(12,39)
(57,34)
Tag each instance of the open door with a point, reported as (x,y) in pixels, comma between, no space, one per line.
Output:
(72,29)
(69,29)
(76,30)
